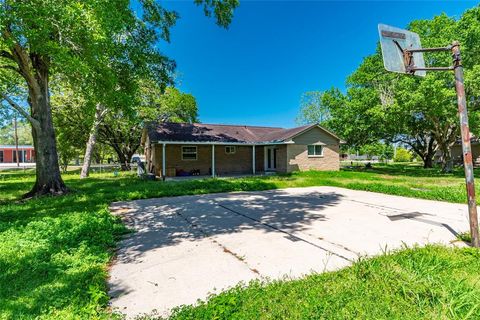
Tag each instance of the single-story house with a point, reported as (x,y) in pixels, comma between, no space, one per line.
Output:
(457,152)
(179,149)
(8,153)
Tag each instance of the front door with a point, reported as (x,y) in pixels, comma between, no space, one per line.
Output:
(270,158)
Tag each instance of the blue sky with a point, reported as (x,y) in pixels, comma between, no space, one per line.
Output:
(255,72)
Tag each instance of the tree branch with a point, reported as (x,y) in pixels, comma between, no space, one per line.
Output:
(15,106)
(10,67)
(6,55)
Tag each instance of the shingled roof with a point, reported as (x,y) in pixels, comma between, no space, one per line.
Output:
(200,132)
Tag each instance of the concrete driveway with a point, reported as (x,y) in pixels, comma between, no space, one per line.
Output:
(187,247)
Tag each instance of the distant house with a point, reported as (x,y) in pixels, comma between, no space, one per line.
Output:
(8,154)
(457,152)
(178,149)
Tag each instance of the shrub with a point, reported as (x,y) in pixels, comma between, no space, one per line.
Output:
(402,155)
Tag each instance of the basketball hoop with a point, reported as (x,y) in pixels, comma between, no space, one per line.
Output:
(403,53)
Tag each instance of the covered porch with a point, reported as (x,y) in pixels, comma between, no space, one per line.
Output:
(183,160)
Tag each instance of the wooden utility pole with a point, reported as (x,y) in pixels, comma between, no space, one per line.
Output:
(16,138)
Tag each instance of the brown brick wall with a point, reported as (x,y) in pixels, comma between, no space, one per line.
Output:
(239,162)
(259,159)
(282,157)
(300,161)
(289,158)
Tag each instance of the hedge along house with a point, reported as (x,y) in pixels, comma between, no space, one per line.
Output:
(180,149)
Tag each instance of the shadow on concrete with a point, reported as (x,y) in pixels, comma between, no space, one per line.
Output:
(167,222)
(417,216)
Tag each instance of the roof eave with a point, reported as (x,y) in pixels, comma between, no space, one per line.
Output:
(318,126)
(261,143)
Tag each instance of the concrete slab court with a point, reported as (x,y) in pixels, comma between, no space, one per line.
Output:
(185,248)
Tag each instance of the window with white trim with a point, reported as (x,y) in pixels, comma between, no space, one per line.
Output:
(230,149)
(315,150)
(189,153)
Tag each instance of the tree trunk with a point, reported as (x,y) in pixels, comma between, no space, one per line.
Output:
(429,154)
(34,68)
(124,160)
(92,140)
(428,161)
(125,142)
(447,162)
(48,178)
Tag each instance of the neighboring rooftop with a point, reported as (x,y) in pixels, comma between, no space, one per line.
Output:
(12,146)
(201,132)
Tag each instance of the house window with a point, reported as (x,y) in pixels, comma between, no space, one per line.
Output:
(315,151)
(230,149)
(1,156)
(189,153)
(21,155)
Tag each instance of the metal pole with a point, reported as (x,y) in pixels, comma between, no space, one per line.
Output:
(467,150)
(16,138)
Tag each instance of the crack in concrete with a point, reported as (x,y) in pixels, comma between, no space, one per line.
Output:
(224,248)
(286,232)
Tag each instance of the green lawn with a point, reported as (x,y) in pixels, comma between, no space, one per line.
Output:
(426,283)
(54,251)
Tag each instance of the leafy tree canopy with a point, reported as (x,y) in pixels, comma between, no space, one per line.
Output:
(420,112)
(7,134)
(100,48)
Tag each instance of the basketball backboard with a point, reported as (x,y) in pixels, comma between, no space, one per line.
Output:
(393,40)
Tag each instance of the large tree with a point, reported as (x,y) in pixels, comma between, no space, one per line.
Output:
(121,128)
(41,38)
(122,131)
(418,112)
(313,109)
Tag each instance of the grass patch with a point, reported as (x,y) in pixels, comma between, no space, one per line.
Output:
(420,283)
(465,236)
(55,250)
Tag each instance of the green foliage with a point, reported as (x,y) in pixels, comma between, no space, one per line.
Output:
(122,132)
(7,135)
(402,155)
(66,152)
(221,9)
(122,126)
(433,282)
(102,49)
(55,250)
(383,151)
(465,236)
(419,112)
(312,109)
(171,105)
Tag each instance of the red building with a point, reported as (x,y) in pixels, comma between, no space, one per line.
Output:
(8,154)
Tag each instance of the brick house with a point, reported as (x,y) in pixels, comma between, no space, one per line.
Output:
(8,154)
(180,149)
(457,152)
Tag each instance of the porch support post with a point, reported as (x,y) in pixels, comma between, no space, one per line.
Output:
(265,150)
(253,159)
(213,161)
(163,161)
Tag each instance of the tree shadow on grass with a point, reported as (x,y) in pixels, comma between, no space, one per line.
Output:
(55,249)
